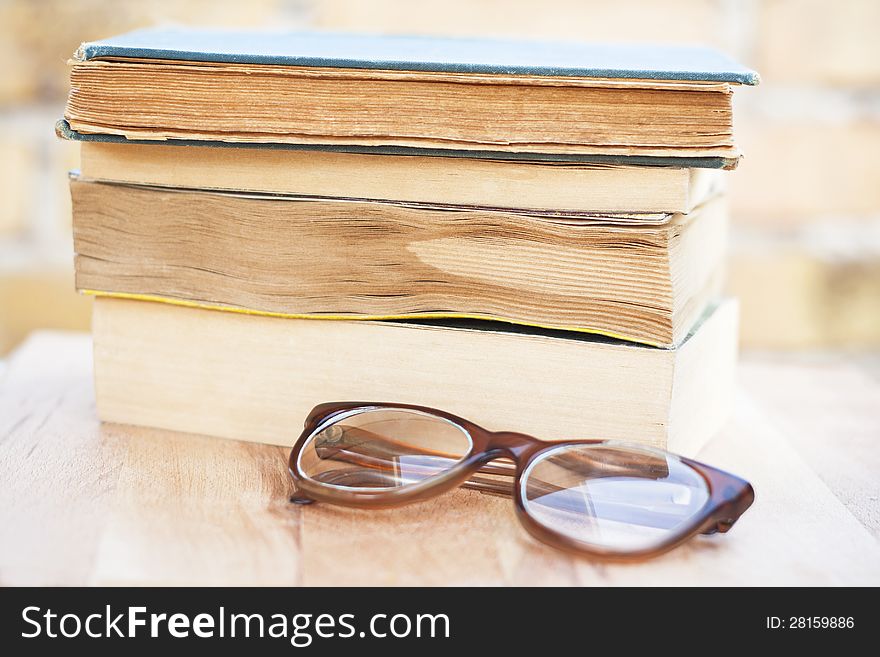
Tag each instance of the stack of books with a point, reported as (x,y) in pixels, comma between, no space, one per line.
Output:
(528,235)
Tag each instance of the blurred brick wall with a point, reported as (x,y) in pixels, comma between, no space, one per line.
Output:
(806,198)
(36,39)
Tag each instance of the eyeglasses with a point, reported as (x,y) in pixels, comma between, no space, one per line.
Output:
(603,498)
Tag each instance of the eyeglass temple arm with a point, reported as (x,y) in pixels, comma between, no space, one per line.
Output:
(370,449)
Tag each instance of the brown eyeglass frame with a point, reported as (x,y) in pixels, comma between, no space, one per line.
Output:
(729,496)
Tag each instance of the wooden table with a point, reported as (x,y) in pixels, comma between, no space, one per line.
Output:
(82,503)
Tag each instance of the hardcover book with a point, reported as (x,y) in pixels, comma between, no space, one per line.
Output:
(645,278)
(370,91)
(256,378)
(545,186)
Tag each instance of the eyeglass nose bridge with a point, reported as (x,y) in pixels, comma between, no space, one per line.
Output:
(511,444)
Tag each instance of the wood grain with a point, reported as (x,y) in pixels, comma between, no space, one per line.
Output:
(86,504)
(830,411)
(180,498)
(57,475)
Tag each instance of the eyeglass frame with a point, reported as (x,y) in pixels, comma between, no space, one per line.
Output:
(729,496)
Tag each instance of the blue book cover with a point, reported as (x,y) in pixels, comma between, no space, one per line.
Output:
(458,55)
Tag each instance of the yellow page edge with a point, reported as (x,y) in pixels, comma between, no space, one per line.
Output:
(343,317)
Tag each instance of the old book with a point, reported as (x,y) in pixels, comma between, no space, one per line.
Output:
(478,182)
(483,95)
(256,378)
(646,278)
